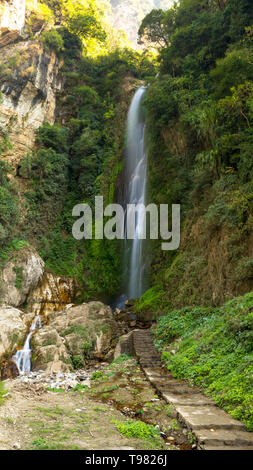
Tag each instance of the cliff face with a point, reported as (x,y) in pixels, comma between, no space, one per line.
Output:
(29,82)
(12,15)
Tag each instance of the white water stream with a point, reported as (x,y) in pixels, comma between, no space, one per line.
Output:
(135,263)
(22,357)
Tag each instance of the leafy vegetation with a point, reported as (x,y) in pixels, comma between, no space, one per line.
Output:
(52,40)
(2,392)
(199,112)
(72,163)
(137,429)
(215,352)
(9,210)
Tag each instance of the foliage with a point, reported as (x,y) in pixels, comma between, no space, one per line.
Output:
(96,375)
(137,429)
(200,155)
(2,393)
(75,162)
(214,352)
(52,40)
(153,28)
(121,359)
(199,128)
(233,70)
(9,210)
(81,18)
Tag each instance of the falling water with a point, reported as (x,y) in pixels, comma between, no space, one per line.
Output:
(135,266)
(22,357)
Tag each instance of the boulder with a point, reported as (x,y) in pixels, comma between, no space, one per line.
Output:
(52,294)
(12,329)
(75,335)
(49,351)
(9,369)
(20,276)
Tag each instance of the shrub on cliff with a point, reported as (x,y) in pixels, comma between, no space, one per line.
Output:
(52,40)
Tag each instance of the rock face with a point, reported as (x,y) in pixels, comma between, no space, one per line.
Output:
(75,335)
(12,15)
(50,352)
(53,293)
(20,276)
(12,329)
(29,82)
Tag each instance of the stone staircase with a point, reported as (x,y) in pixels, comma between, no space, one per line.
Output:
(213,428)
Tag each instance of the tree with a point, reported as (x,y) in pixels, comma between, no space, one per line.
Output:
(153,30)
(85,25)
(80,17)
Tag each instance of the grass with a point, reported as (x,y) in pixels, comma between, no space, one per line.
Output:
(70,427)
(138,429)
(2,392)
(80,388)
(215,352)
(121,359)
(55,389)
(43,444)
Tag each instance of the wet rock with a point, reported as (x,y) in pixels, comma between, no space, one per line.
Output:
(109,356)
(130,303)
(9,370)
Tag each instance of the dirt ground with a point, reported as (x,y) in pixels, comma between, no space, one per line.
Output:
(33,417)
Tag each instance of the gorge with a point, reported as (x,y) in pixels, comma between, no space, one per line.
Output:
(85,114)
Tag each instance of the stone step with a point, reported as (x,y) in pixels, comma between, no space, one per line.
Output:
(195,399)
(213,428)
(206,417)
(177,390)
(217,437)
(226,448)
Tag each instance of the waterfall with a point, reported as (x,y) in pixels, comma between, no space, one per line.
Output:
(22,357)
(135,263)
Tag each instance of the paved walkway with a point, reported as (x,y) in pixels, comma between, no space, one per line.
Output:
(213,428)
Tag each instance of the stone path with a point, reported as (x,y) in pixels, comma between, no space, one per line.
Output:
(213,428)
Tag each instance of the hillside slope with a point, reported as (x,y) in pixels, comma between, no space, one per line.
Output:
(200,122)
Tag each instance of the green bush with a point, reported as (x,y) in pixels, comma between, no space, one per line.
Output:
(52,40)
(9,208)
(53,136)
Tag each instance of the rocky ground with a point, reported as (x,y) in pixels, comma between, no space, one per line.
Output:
(86,390)
(83,410)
